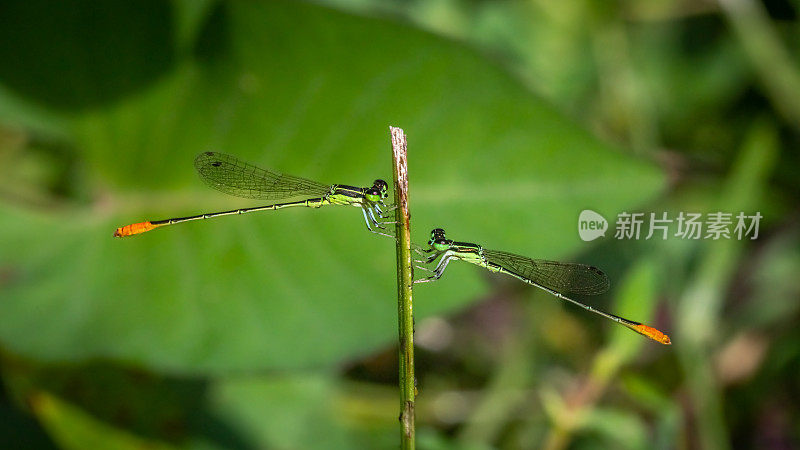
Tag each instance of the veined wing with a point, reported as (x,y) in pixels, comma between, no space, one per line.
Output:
(233,176)
(558,276)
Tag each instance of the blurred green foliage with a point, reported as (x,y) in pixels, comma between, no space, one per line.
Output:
(275,330)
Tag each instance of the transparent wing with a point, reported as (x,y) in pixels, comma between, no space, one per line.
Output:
(233,176)
(558,276)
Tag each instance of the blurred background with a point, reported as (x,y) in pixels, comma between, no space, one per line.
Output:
(278,329)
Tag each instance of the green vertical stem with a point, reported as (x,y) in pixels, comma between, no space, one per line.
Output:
(771,60)
(405,283)
(699,311)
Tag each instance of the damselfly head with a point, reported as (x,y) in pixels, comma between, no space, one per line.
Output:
(438,240)
(382,187)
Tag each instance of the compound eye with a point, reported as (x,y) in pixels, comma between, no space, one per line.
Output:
(372,194)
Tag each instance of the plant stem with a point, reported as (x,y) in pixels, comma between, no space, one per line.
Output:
(771,60)
(405,282)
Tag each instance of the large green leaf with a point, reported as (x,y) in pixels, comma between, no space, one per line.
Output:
(237,412)
(72,428)
(311,92)
(300,412)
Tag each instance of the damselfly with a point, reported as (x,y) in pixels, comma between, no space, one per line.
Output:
(233,176)
(556,278)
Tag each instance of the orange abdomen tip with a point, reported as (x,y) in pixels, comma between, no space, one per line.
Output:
(136,228)
(653,334)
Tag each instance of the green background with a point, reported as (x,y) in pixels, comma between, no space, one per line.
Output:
(278,329)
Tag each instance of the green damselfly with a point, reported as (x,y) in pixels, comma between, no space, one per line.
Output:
(233,176)
(556,278)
